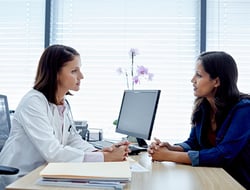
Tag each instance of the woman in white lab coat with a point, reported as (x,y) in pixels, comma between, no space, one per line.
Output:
(42,127)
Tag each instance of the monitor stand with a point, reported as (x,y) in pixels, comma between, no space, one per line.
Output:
(142,143)
(138,141)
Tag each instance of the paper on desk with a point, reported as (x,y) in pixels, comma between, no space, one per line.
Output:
(100,184)
(135,166)
(117,171)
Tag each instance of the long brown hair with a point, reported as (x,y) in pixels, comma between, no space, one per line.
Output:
(222,65)
(52,60)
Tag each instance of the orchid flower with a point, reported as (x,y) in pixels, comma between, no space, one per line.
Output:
(141,71)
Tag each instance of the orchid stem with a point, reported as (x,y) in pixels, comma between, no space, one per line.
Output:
(132,70)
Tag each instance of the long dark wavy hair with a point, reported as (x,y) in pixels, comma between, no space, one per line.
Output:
(222,65)
(52,60)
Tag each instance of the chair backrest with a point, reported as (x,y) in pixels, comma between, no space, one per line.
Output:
(5,123)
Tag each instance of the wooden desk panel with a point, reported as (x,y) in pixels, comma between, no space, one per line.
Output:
(172,176)
(161,175)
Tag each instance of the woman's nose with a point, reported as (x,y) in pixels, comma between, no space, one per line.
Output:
(193,79)
(81,76)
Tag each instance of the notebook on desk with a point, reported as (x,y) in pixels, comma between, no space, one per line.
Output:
(87,171)
(113,175)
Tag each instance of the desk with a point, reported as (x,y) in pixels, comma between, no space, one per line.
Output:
(161,175)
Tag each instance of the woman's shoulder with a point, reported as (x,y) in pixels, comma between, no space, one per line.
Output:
(32,97)
(242,105)
(244,102)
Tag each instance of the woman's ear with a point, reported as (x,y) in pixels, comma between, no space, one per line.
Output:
(217,82)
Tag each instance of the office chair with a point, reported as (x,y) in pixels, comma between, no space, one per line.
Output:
(5,125)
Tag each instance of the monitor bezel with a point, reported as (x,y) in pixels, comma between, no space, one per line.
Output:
(135,134)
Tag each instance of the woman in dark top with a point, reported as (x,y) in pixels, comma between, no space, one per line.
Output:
(220,132)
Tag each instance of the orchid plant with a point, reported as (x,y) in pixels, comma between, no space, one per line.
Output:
(141,71)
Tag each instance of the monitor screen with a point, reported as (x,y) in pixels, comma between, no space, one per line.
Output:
(137,113)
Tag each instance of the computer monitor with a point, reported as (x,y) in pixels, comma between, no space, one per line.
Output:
(137,114)
(4,120)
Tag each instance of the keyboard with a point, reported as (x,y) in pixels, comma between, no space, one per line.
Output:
(101,144)
(104,143)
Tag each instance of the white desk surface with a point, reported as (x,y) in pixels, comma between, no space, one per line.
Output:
(160,176)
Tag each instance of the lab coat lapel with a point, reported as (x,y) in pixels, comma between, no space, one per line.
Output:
(55,122)
(66,126)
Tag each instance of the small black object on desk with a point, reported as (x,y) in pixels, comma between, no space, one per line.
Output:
(142,146)
(135,150)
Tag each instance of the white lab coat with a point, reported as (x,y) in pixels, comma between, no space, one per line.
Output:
(37,136)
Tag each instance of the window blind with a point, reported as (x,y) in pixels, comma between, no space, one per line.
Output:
(228,30)
(166,34)
(21,43)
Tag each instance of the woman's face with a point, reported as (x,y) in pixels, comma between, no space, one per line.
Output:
(69,77)
(203,85)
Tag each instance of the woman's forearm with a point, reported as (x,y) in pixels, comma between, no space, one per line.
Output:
(178,157)
(163,153)
(176,148)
